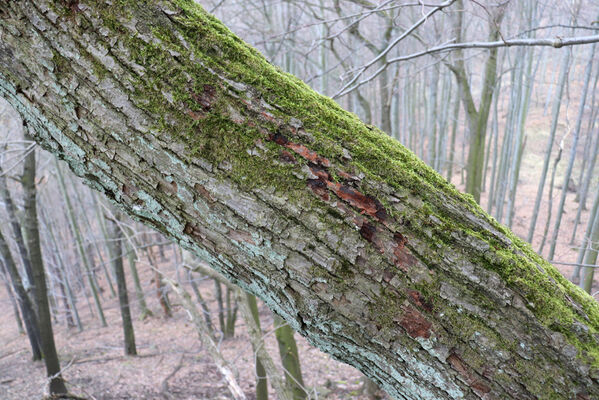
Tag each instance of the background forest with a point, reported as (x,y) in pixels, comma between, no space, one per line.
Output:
(513,124)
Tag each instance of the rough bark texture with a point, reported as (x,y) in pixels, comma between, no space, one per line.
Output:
(362,248)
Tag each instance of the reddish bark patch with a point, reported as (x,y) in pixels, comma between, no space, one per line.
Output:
(203,192)
(403,256)
(168,187)
(462,368)
(308,154)
(278,138)
(287,157)
(347,177)
(192,230)
(388,274)
(300,149)
(420,300)
(73,6)
(241,236)
(196,115)
(366,204)
(206,98)
(129,191)
(267,116)
(79,112)
(414,323)
(319,188)
(320,172)
(368,231)
(400,239)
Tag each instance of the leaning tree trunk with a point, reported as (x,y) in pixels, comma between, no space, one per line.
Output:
(361,247)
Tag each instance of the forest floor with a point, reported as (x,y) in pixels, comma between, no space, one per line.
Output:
(171,363)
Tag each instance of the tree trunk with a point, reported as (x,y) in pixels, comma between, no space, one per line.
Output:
(289,358)
(586,239)
(12,297)
(261,379)
(29,317)
(144,311)
(591,257)
(32,233)
(69,296)
(79,241)
(568,174)
(557,103)
(361,247)
(17,232)
(201,301)
(116,253)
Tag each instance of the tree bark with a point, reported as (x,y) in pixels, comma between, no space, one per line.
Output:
(289,358)
(32,233)
(361,247)
(12,297)
(261,378)
(29,317)
(79,241)
(116,255)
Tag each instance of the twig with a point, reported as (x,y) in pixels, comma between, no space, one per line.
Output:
(164,385)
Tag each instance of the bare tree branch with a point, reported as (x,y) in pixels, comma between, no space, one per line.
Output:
(556,42)
(391,45)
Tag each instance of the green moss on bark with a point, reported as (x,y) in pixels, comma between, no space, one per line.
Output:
(192,34)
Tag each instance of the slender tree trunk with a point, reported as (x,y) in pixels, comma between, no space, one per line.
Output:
(57,386)
(261,379)
(94,243)
(454,126)
(79,241)
(119,272)
(568,174)
(586,183)
(586,239)
(201,301)
(144,311)
(558,157)
(17,232)
(289,358)
(218,293)
(564,68)
(478,118)
(12,296)
(495,127)
(590,258)
(27,311)
(231,308)
(70,298)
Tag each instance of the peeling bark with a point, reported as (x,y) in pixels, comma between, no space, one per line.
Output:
(349,237)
